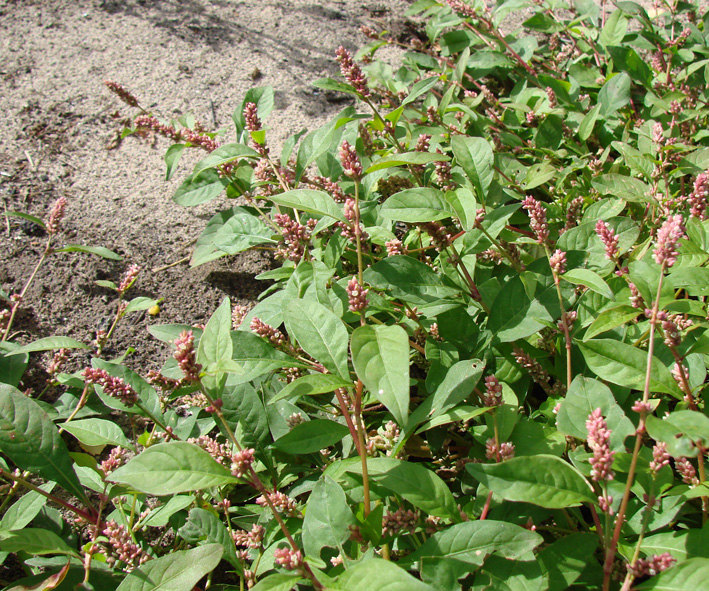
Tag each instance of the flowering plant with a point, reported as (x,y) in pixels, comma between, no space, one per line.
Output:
(480,364)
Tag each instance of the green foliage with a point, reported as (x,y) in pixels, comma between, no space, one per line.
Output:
(481,364)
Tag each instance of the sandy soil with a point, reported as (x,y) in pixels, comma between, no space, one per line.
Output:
(58,126)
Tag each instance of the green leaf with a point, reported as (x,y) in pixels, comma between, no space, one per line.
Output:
(690,574)
(475,157)
(409,279)
(610,319)
(589,279)
(216,344)
(471,542)
(625,365)
(257,357)
(565,560)
(172,159)
(421,487)
(311,436)
(420,204)
(614,29)
(627,60)
(97,250)
(694,280)
(244,411)
(588,123)
(205,527)
(420,88)
(380,574)
(223,155)
(171,468)
(538,174)
(614,95)
(623,186)
(25,509)
(684,431)
(406,158)
(277,582)
(25,216)
(584,396)
(200,188)
(29,438)
(318,383)
(541,480)
(35,541)
(160,516)
(147,395)
(240,232)
(140,303)
(97,432)
(177,571)
(380,355)
(513,315)
(465,206)
(320,333)
(327,517)
(682,544)
(316,143)
(316,202)
(49,344)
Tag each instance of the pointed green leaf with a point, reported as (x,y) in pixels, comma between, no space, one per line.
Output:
(320,333)
(475,157)
(97,432)
(310,385)
(316,202)
(25,509)
(244,411)
(380,355)
(541,480)
(49,344)
(240,232)
(205,527)
(35,541)
(177,571)
(171,468)
(565,560)
(277,582)
(614,95)
(403,159)
(589,279)
(383,575)
(172,159)
(625,365)
(311,436)
(29,438)
(416,205)
(690,574)
(200,188)
(223,155)
(97,250)
(327,517)
(421,87)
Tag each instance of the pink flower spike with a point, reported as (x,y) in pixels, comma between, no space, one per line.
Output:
(609,239)
(537,219)
(599,442)
(668,238)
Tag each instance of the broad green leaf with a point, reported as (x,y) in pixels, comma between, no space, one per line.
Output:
(277,582)
(200,188)
(380,355)
(614,29)
(614,95)
(223,155)
(681,544)
(475,157)
(240,232)
(684,431)
(455,415)
(257,357)
(49,344)
(177,571)
(513,315)
(409,279)
(216,346)
(29,438)
(589,279)
(610,319)
(420,88)
(171,468)
(589,122)
(403,159)
(160,516)
(320,333)
(693,280)
(97,250)
(626,187)
(316,202)
(584,396)
(34,541)
(627,60)
(416,205)
(690,574)
(471,542)
(172,159)
(140,303)
(625,365)
(42,582)
(25,509)
(205,248)
(245,413)
(420,486)
(205,527)
(464,205)
(327,517)
(311,436)
(97,432)
(376,573)
(147,395)
(565,560)
(538,174)
(541,480)
(316,143)
(317,383)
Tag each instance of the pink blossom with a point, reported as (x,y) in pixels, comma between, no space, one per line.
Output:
(668,237)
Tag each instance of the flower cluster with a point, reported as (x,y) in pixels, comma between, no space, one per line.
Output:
(699,197)
(241,462)
(398,521)
(281,502)
(123,546)
(557,262)
(56,215)
(493,391)
(533,367)
(609,239)
(537,219)
(192,137)
(651,566)
(128,278)
(504,451)
(58,361)
(668,237)
(266,331)
(660,457)
(351,165)
(249,539)
(599,442)
(221,452)
(352,72)
(357,295)
(122,93)
(116,458)
(295,235)
(112,386)
(288,558)
(395,247)
(186,356)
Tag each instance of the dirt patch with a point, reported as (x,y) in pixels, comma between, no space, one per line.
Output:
(58,137)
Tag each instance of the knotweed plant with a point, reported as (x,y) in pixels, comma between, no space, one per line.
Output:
(481,363)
